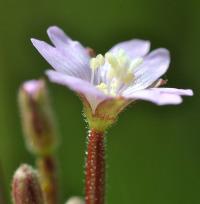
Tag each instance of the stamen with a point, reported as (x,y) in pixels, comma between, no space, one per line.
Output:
(122,58)
(100,59)
(113,88)
(128,78)
(103,87)
(95,63)
(119,73)
(121,66)
(111,60)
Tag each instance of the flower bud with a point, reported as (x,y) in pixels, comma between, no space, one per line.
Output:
(26,187)
(75,200)
(37,117)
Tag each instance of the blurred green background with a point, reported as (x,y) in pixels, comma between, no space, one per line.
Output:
(153,152)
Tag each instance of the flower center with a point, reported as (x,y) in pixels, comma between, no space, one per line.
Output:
(119,71)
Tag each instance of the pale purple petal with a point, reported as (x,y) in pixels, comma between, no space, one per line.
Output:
(181,92)
(154,66)
(160,96)
(69,48)
(133,48)
(59,61)
(58,36)
(93,95)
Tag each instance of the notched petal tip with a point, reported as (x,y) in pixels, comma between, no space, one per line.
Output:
(39,44)
(58,37)
(161,53)
(185,92)
(53,29)
(142,42)
(163,50)
(189,92)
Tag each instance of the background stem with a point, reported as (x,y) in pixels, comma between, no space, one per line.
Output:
(48,178)
(95,168)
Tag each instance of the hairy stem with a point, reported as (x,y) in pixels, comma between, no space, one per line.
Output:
(95,168)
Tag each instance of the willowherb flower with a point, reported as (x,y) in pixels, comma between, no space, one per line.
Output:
(107,84)
(126,73)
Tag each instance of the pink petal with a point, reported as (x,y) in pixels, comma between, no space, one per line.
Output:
(72,49)
(134,48)
(93,95)
(54,57)
(160,96)
(181,92)
(58,37)
(154,66)
(68,57)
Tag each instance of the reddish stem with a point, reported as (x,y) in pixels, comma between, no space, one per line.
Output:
(95,168)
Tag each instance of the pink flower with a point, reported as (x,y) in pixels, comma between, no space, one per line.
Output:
(126,72)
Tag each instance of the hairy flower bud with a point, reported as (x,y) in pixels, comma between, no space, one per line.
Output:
(75,200)
(26,187)
(37,117)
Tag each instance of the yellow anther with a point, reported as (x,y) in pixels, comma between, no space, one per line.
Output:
(93,64)
(100,59)
(112,60)
(128,78)
(123,60)
(97,62)
(103,87)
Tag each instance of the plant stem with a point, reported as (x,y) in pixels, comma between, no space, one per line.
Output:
(48,178)
(95,168)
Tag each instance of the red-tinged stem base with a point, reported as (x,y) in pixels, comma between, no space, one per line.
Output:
(95,168)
